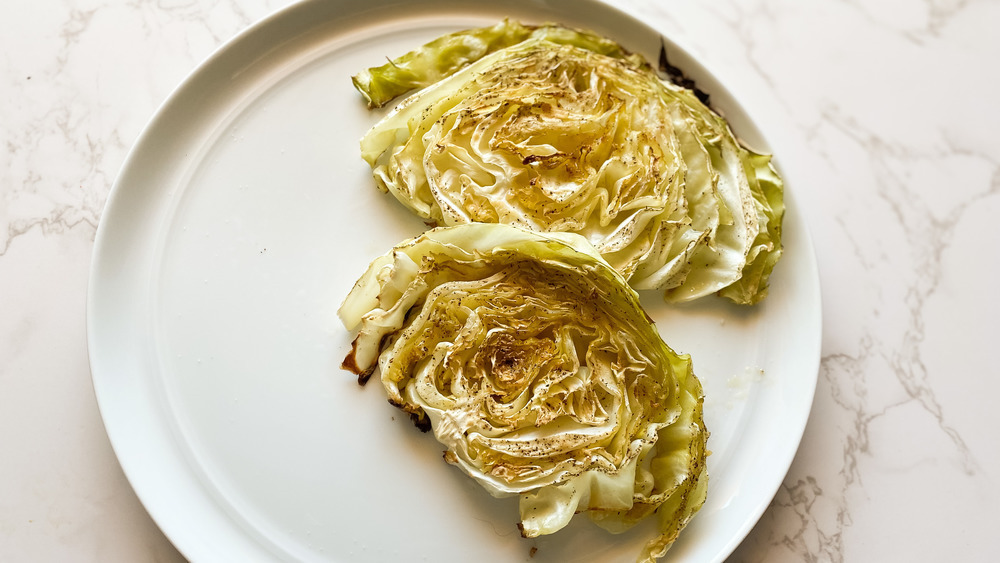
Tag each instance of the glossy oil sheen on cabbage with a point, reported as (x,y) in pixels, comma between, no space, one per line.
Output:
(559,130)
(533,363)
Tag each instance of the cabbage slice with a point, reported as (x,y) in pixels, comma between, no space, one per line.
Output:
(559,130)
(534,364)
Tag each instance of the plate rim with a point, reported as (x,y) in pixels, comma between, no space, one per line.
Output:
(193,549)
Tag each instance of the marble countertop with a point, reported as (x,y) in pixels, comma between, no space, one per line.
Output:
(889,116)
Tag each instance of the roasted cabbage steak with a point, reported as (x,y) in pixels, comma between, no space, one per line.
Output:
(559,130)
(533,363)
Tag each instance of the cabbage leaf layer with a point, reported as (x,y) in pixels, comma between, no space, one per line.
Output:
(559,130)
(534,364)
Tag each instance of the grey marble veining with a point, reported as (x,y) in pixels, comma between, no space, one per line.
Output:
(884,113)
(898,171)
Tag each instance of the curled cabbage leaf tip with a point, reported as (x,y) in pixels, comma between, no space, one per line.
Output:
(534,364)
(560,130)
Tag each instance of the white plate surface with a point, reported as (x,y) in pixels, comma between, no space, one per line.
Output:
(241,219)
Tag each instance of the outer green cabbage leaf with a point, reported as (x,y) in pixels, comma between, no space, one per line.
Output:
(447,54)
(558,132)
(534,364)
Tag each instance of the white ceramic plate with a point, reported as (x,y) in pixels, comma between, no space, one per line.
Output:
(241,219)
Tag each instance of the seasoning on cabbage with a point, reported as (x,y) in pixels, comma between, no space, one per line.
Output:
(534,364)
(559,130)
